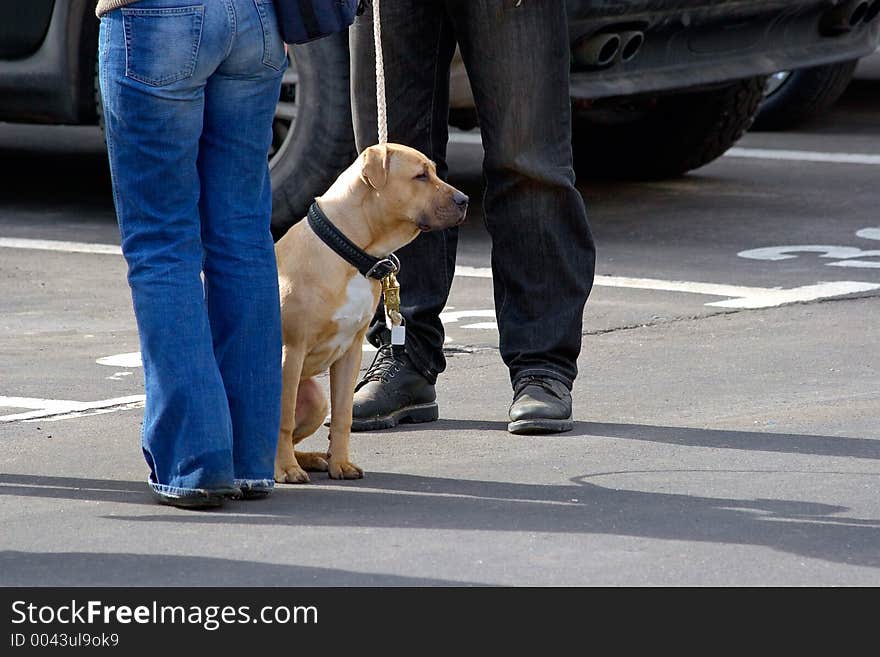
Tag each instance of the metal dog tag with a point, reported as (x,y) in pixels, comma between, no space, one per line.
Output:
(398,335)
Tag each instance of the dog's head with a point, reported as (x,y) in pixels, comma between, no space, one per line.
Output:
(404,183)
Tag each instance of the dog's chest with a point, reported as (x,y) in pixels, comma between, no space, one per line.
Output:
(349,319)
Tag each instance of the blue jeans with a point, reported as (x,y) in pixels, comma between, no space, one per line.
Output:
(189,93)
(543,256)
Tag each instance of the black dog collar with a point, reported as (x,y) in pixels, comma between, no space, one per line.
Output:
(366,264)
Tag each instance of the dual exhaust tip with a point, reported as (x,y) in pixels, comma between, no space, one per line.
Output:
(604,49)
(601,50)
(848,15)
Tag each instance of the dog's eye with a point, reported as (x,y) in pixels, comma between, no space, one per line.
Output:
(422,176)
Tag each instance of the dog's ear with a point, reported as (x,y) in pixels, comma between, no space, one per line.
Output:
(374,166)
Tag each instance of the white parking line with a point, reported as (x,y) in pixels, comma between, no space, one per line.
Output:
(58,245)
(474,139)
(803,156)
(58,409)
(740,296)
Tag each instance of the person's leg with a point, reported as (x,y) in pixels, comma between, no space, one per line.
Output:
(154,61)
(241,276)
(517,57)
(417,46)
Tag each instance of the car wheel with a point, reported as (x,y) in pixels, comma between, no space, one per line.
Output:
(794,97)
(313,138)
(663,136)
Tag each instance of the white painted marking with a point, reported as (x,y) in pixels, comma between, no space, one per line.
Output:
(771,298)
(742,296)
(869,233)
(486,326)
(58,408)
(825,251)
(129,360)
(803,156)
(747,295)
(454,316)
(473,272)
(475,139)
(57,245)
(861,264)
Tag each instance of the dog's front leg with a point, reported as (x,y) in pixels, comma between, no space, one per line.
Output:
(343,376)
(287,470)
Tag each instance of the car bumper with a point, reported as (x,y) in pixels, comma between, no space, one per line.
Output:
(697,43)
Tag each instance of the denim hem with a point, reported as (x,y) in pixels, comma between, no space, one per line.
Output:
(255,484)
(180,491)
(419,363)
(538,371)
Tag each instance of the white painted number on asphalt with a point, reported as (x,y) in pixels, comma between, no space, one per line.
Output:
(844,256)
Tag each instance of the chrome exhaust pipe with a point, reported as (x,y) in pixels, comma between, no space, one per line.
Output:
(631,43)
(597,51)
(844,17)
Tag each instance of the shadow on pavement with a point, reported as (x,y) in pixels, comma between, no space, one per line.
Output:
(389,500)
(863,448)
(114,569)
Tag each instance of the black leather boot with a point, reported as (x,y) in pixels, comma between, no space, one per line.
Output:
(392,391)
(540,405)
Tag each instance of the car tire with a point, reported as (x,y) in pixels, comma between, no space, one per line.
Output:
(664,136)
(313,135)
(803,95)
(313,138)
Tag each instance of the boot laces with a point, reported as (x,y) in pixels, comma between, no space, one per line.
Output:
(384,366)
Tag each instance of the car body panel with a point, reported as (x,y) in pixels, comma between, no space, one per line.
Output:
(55,84)
(23,27)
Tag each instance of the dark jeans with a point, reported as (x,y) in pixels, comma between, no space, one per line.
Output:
(543,256)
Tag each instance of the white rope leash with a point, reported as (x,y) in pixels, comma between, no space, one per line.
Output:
(381,106)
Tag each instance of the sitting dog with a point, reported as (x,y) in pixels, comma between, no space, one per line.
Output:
(329,270)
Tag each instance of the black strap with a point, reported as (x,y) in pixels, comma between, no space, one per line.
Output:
(366,264)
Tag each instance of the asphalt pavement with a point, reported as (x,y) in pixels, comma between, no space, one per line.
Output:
(726,410)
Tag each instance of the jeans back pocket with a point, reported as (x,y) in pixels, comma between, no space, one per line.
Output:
(274,55)
(162,45)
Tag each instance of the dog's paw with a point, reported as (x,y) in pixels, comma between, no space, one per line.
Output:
(291,475)
(344,470)
(313,461)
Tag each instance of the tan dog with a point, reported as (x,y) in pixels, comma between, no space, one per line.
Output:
(381,202)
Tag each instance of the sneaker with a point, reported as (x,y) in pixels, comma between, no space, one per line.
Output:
(540,405)
(392,391)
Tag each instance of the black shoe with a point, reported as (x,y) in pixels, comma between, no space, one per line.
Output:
(251,492)
(213,499)
(392,391)
(540,405)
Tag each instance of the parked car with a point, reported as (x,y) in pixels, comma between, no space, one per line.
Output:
(659,87)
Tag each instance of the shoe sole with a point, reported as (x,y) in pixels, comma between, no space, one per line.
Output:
(410,415)
(195,503)
(252,495)
(539,426)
